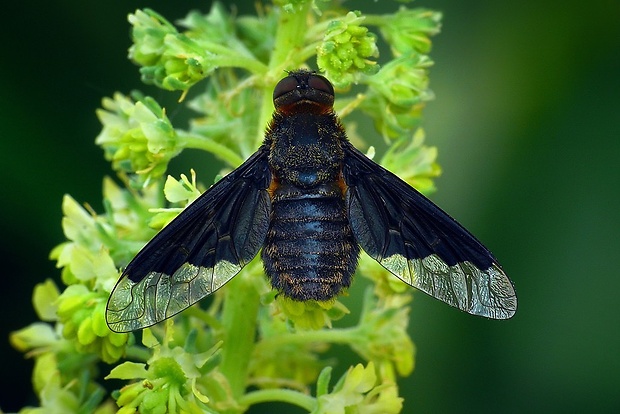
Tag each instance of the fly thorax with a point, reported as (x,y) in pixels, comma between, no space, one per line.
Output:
(306,152)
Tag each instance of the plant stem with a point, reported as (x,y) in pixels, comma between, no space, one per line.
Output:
(221,151)
(289,396)
(333,336)
(289,42)
(239,315)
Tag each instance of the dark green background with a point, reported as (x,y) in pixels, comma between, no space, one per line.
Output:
(527,121)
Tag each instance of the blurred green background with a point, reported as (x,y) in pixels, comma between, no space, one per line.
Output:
(527,121)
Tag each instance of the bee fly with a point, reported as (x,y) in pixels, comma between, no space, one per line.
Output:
(310,200)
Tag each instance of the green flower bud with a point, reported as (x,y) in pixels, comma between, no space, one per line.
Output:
(397,94)
(44,300)
(360,391)
(128,394)
(45,367)
(81,313)
(183,190)
(149,32)
(168,384)
(346,50)
(168,58)
(413,161)
(137,137)
(410,30)
(306,315)
(36,335)
(155,402)
(384,329)
(404,81)
(169,368)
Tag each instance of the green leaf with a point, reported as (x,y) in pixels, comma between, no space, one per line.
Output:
(33,336)
(44,300)
(128,371)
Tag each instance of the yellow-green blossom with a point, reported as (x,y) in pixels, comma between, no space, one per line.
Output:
(383,333)
(311,314)
(34,336)
(182,191)
(44,299)
(404,80)
(173,381)
(361,391)
(62,377)
(137,137)
(176,60)
(82,314)
(168,58)
(414,162)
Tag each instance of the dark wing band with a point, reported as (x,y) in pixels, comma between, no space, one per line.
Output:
(198,252)
(421,244)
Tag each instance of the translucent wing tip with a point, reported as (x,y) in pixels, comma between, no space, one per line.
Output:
(488,293)
(158,296)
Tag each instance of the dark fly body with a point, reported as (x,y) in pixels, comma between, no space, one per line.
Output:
(310,200)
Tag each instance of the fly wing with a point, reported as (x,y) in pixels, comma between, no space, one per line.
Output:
(421,244)
(198,252)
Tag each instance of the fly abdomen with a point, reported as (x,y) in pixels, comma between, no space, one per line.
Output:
(310,253)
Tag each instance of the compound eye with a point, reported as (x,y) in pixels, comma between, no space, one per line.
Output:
(320,83)
(303,86)
(286,85)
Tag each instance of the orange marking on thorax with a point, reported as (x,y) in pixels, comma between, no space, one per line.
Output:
(273,186)
(342,184)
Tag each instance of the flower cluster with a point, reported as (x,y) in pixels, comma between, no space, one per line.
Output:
(245,345)
(176,61)
(311,314)
(168,58)
(415,161)
(137,137)
(172,381)
(347,50)
(409,30)
(383,327)
(360,390)
(68,348)
(64,375)
(81,313)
